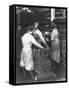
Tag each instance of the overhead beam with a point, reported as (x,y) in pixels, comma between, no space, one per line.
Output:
(52,14)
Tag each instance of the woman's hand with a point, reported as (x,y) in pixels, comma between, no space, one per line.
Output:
(47,48)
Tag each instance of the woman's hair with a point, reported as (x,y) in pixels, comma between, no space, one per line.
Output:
(30,28)
(35,22)
(52,25)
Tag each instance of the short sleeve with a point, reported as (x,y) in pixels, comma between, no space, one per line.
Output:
(38,32)
(54,34)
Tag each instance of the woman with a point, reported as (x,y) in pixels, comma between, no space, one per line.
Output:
(39,33)
(26,53)
(55,44)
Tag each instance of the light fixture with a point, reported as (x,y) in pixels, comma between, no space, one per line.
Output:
(26,9)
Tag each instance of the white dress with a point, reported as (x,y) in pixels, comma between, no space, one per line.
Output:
(26,53)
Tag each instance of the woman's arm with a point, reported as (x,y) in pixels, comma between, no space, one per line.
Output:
(35,42)
(40,35)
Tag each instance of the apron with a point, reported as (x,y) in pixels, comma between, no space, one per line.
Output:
(27,58)
(55,50)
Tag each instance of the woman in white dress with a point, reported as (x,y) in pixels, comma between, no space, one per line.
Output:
(55,45)
(26,53)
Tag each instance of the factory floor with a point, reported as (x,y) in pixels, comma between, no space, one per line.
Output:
(59,72)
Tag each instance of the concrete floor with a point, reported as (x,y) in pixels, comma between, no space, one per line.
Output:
(59,70)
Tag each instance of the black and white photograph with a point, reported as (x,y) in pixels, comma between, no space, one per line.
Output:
(40,44)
